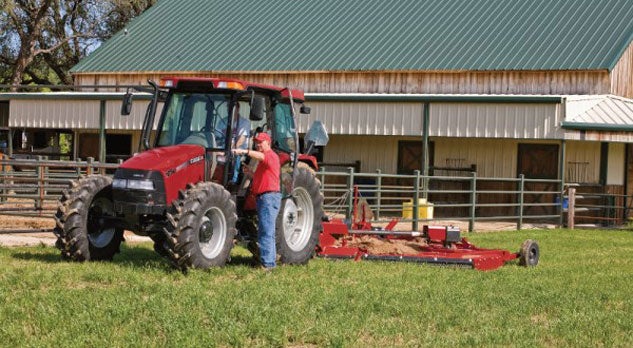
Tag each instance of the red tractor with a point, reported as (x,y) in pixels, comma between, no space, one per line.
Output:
(186,190)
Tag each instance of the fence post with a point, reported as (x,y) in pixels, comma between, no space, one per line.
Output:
(39,173)
(378,193)
(78,160)
(89,165)
(571,207)
(350,197)
(416,200)
(5,174)
(322,176)
(521,197)
(473,201)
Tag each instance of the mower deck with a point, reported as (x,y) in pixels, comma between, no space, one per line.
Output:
(441,245)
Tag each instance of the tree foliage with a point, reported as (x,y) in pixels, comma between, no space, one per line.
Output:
(40,40)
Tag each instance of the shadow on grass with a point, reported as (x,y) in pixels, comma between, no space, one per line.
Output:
(132,256)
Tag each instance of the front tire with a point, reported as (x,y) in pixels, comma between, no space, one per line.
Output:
(204,227)
(84,221)
(299,220)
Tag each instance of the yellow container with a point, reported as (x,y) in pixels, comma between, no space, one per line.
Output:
(425,209)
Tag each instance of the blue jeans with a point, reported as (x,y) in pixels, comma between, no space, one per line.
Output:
(267,210)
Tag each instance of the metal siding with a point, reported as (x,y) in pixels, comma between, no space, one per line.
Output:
(495,158)
(499,120)
(615,167)
(134,121)
(68,114)
(367,118)
(584,151)
(369,35)
(373,152)
(74,114)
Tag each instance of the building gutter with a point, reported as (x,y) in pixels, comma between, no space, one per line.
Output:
(426,98)
(596,127)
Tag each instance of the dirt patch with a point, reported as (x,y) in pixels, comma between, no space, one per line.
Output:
(378,245)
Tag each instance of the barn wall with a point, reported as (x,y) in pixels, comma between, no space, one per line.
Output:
(622,75)
(503,82)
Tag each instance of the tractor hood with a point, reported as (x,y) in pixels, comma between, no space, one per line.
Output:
(166,159)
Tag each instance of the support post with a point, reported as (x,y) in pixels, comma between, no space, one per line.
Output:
(102,135)
(521,198)
(571,207)
(416,201)
(378,193)
(350,197)
(473,202)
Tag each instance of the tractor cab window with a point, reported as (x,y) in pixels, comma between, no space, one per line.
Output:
(284,138)
(195,118)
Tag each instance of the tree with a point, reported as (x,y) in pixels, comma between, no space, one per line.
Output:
(42,39)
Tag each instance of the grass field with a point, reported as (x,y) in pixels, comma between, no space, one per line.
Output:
(581,294)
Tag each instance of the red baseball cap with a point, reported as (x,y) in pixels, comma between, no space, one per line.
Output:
(261,137)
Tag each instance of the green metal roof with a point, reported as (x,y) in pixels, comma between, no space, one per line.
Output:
(369,35)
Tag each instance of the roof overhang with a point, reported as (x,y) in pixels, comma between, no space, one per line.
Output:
(606,113)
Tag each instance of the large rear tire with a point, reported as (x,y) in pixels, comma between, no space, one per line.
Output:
(203,227)
(83,227)
(299,220)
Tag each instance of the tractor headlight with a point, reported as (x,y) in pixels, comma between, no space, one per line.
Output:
(140,185)
(119,183)
(132,184)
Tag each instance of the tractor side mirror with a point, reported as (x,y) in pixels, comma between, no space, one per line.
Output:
(305,110)
(258,108)
(126,105)
(316,136)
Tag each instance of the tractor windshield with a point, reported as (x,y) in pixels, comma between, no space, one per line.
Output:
(195,118)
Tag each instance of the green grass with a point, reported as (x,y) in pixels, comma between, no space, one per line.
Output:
(579,295)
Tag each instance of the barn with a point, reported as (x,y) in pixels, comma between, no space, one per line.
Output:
(539,88)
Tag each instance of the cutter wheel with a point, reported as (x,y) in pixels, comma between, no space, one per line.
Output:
(441,245)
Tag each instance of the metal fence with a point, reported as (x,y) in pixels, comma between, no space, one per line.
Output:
(33,187)
(426,199)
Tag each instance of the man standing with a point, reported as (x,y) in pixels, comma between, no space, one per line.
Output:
(266,188)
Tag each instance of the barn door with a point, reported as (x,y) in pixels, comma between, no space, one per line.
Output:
(538,161)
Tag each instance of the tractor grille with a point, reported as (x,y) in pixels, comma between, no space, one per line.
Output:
(137,201)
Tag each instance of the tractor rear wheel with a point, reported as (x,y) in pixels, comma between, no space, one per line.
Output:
(204,227)
(299,219)
(529,253)
(85,227)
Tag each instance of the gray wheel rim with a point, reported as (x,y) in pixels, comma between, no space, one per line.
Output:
(298,215)
(212,233)
(101,238)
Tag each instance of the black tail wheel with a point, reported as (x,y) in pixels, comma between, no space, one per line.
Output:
(299,220)
(529,253)
(84,221)
(203,226)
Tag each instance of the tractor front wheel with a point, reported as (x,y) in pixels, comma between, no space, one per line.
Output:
(204,227)
(85,221)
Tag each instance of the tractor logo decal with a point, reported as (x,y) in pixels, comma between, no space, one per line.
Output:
(196,159)
(183,165)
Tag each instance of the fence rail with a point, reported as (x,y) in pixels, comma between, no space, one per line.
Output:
(32,188)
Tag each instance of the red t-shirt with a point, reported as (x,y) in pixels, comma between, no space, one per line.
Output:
(266,177)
